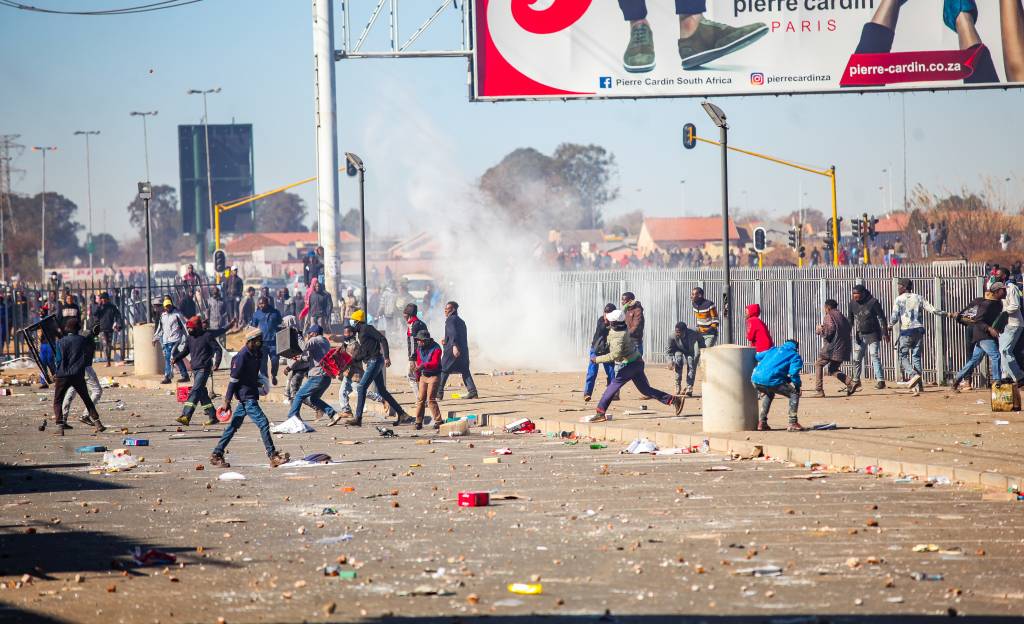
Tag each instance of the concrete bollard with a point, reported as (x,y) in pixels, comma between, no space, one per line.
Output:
(149,359)
(729,400)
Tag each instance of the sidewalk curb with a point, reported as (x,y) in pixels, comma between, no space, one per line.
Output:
(613,431)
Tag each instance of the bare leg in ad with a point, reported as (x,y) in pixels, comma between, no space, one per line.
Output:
(961,16)
(1012,14)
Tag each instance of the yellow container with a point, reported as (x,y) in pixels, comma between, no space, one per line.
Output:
(528,589)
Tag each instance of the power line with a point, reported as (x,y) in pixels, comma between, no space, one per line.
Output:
(142,8)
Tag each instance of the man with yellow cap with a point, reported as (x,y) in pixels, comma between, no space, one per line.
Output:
(244,384)
(170,332)
(375,355)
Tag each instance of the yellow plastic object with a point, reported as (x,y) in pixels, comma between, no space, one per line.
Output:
(528,589)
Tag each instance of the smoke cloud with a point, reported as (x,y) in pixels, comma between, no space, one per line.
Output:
(491,267)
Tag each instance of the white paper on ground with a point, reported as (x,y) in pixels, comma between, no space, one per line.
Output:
(641,446)
(231,476)
(292,425)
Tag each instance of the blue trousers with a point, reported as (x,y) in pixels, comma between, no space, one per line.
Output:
(373,372)
(592,368)
(252,409)
(637,9)
(168,348)
(982,348)
(199,396)
(313,390)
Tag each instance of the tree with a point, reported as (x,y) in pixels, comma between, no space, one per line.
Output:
(282,212)
(350,223)
(562,192)
(106,249)
(811,216)
(165,222)
(588,170)
(627,224)
(25,230)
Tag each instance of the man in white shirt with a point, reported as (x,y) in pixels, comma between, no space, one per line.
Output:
(1012,332)
(907,314)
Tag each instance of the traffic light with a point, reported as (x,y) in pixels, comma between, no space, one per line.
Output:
(803,251)
(792,237)
(760,244)
(689,136)
(855,227)
(872,227)
(220,261)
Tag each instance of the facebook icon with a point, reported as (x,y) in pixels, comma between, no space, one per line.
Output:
(606,82)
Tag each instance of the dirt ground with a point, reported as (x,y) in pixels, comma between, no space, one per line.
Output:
(608,536)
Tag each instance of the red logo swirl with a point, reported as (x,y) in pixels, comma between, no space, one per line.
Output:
(559,16)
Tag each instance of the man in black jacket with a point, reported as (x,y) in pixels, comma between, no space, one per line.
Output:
(980,315)
(598,346)
(375,355)
(456,352)
(245,385)
(203,350)
(869,329)
(74,353)
(109,319)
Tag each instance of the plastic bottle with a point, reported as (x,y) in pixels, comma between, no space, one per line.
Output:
(705,446)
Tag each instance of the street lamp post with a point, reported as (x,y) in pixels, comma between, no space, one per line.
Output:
(88,187)
(200,232)
(42,250)
(717,116)
(145,194)
(354,166)
(149,243)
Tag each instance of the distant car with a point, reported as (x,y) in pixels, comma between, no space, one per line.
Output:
(417,284)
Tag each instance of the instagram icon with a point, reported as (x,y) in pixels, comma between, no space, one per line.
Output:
(757,79)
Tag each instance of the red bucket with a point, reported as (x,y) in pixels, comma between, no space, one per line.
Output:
(183,392)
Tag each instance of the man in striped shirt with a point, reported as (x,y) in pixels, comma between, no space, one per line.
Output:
(706,313)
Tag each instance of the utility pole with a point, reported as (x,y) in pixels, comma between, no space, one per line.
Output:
(145,147)
(7,146)
(326,118)
(89,245)
(717,116)
(354,166)
(42,250)
(200,230)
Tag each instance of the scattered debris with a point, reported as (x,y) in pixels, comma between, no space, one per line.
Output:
(526,589)
(769,570)
(231,476)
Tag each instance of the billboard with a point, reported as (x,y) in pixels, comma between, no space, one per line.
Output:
(231,168)
(532,49)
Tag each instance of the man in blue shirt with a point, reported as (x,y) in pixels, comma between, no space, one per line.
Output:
(244,384)
(778,372)
(268,320)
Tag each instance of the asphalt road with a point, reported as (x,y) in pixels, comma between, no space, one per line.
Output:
(608,536)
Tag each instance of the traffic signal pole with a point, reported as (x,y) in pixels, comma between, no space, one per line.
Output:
(829,173)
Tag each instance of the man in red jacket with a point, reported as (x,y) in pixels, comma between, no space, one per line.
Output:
(427,371)
(757,332)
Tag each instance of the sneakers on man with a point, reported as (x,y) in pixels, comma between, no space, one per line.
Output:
(713,40)
(279,459)
(677,403)
(880,384)
(471,395)
(689,391)
(594,418)
(354,422)
(98,427)
(587,398)
(165,380)
(217,461)
(639,56)
(183,379)
(856,386)
(184,420)
(795,426)
(763,426)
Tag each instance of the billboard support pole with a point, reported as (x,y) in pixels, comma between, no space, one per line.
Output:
(326,140)
(727,295)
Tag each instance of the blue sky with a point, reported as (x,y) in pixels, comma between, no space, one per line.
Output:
(67,73)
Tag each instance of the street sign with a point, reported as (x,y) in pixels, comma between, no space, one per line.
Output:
(689,136)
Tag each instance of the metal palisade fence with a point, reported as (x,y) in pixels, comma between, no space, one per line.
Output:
(791,301)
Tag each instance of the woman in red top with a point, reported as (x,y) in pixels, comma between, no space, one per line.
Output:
(428,374)
(757,332)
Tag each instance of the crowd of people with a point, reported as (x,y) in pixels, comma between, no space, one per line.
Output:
(855,337)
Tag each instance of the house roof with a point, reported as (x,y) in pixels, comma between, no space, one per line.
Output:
(248,243)
(894,223)
(688,229)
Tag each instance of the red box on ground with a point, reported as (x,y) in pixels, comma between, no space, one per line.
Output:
(474,499)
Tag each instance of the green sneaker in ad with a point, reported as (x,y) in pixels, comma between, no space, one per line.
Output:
(639,56)
(713,40)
